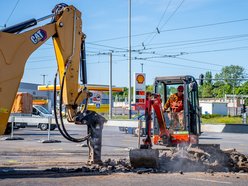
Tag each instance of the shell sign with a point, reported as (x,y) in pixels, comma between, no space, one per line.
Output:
(140,78)
(139,91)
(140,81)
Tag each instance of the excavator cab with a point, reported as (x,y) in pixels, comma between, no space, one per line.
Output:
(184,126)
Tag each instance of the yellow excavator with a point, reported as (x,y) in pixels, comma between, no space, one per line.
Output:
(19,41)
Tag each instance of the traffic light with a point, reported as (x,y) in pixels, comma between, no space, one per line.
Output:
(201,78)
(243,109)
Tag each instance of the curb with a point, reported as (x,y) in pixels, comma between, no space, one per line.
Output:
(225,128)
(221,128)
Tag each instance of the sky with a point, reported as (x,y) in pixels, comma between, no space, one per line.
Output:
(168,37)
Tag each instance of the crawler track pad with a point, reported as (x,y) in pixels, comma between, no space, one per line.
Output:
(147,158)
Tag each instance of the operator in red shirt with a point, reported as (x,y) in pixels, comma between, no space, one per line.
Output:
(175,103)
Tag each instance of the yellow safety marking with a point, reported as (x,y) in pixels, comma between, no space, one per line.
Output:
(12,161)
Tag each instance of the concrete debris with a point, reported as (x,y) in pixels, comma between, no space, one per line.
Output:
(204,159)
(181,160)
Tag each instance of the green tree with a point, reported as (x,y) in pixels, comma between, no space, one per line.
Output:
(120,96)
(229,80)
(149,88)
(206,89)
(232,75)
(220,88)
(243,90)
(208,78)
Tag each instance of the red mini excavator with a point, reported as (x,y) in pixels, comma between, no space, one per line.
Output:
(163,128)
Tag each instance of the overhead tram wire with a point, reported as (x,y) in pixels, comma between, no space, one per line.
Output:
(177,65)
(149,60)
(107,62)
(186,45)
(105,54)
(166,8)
(218,50)
(174,29)
(173,13)
(197,41)
(177,43)
(11,13)
(164,13)
(178,57)
(197,61)
(91,43)
(180,43)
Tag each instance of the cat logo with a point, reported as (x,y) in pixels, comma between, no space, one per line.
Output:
(38,36)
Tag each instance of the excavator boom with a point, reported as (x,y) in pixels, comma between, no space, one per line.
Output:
(16,46)
(15,49)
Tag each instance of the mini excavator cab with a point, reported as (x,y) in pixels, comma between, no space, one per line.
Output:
(184,126)
(166,130)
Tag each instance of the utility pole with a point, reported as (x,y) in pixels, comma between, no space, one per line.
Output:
(110,85)
(129,59)
(234,108)
(44,78)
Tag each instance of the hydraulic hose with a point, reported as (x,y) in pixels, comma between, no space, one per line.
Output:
(63,130)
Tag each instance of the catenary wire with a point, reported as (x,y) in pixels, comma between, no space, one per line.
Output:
(11,13)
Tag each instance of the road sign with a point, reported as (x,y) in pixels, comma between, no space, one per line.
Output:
(98,105)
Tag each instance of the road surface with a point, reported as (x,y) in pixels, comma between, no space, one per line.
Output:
(30,154)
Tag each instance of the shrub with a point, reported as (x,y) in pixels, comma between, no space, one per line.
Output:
(208,116)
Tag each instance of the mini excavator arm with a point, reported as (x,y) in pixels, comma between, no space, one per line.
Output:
(154,101)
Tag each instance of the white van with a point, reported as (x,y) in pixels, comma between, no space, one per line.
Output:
(40,111)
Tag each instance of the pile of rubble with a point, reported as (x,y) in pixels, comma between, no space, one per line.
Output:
(107,167)
(204,159)
(208,159)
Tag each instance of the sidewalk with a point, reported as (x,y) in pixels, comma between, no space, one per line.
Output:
(225,128)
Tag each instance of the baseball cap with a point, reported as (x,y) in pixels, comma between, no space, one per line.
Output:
(180,88)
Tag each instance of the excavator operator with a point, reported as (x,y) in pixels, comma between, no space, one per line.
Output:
(175,103)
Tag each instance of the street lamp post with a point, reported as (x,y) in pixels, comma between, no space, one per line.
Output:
(142,67)
(129,58)
(110,85)
(44,78)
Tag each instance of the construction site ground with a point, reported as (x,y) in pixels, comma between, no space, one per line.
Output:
(31,162)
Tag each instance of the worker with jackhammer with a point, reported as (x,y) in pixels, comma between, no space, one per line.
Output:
(175,104)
